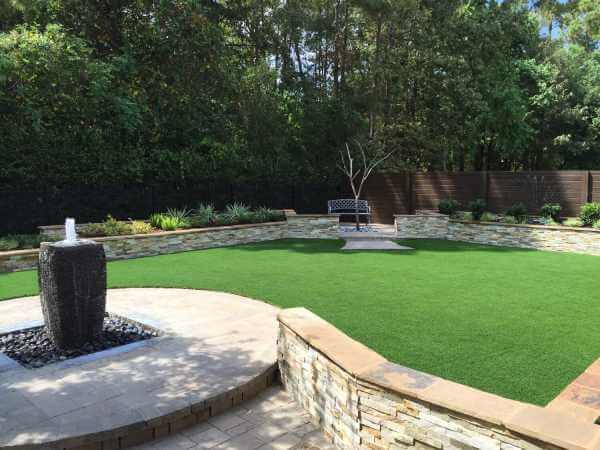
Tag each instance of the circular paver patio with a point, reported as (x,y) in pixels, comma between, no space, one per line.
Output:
(217,348)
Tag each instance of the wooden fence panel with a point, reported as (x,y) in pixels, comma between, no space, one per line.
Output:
(569,188)
(595,186)
(401,193)
(388,194)
(431,187)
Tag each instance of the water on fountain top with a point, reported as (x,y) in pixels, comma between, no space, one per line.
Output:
(70,233)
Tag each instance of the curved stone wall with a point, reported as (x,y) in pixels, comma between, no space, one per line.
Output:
(364,401)
(539,237)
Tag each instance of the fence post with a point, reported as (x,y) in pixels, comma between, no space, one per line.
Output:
(411,191)
(486,188)
(590,186)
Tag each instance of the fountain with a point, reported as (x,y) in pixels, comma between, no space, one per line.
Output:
(72,280)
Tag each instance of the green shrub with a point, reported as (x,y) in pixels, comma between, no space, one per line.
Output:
(110,227)
(448,206)
(156,219)
(518,211)
(551,210)
(140,227)
(169,223)
(573,222)
(223,219)
(590,213)
(8,243)
(477,208)
(488,217)
(549,221)
(509,219)
(264,214)
(203,216)
(238,213)
(596,224)
(181,216)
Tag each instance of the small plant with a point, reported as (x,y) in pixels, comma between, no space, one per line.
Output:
(477,208)
(169,223)
(238,213)
(551,210)
(573,222)
(140,227)
(156,219)
(182,216)
(264,214)
(509,219)
(549,221)
(114,227)
(488,217)
(110,227)
(596,224)
(448,206)
(8,243)
(590,213)
(223,219)
(518,211)
(203,216)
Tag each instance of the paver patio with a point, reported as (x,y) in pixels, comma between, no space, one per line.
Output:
(213,343)
(272,421)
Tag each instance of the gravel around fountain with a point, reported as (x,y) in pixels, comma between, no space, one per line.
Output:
(33,348)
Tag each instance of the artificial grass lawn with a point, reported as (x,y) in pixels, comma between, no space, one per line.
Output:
(518,323)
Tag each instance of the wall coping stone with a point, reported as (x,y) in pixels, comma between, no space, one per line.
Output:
(25,252)
(552,427)
(526,225)
(428,215)
(308,216)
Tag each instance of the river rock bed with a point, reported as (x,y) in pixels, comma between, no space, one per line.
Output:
(32,347)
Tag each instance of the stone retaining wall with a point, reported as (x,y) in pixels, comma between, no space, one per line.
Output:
(432,226)
(562,239)
(363,401)
(554,238)
(135,246)
(317,226)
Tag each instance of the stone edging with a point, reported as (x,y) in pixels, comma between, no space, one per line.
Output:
(363,400)
(540,237)
(317,226)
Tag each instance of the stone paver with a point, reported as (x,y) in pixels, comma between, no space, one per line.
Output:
(214,342)
(271,421)
(581,398)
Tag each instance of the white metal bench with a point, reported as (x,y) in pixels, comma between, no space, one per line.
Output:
(349,206)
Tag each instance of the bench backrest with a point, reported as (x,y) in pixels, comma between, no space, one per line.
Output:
(348,205)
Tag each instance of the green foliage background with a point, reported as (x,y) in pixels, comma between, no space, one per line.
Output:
(157,91)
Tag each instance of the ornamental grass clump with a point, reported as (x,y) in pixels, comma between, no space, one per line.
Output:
(590,213)
(238,213)
(204,215)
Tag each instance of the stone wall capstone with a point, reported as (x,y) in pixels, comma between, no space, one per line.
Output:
(363,401)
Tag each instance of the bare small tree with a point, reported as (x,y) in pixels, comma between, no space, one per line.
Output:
(358,176)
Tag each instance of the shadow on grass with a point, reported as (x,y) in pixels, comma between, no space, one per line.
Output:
(317,246)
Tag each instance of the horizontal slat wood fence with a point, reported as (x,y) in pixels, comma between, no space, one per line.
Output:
(403,193)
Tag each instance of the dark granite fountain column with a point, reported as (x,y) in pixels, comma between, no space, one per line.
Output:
(72,279)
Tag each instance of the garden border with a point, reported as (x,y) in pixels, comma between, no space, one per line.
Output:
(539,237)
(308,226)
(364,401)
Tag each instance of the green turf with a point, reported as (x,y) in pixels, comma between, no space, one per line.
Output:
(518,323)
